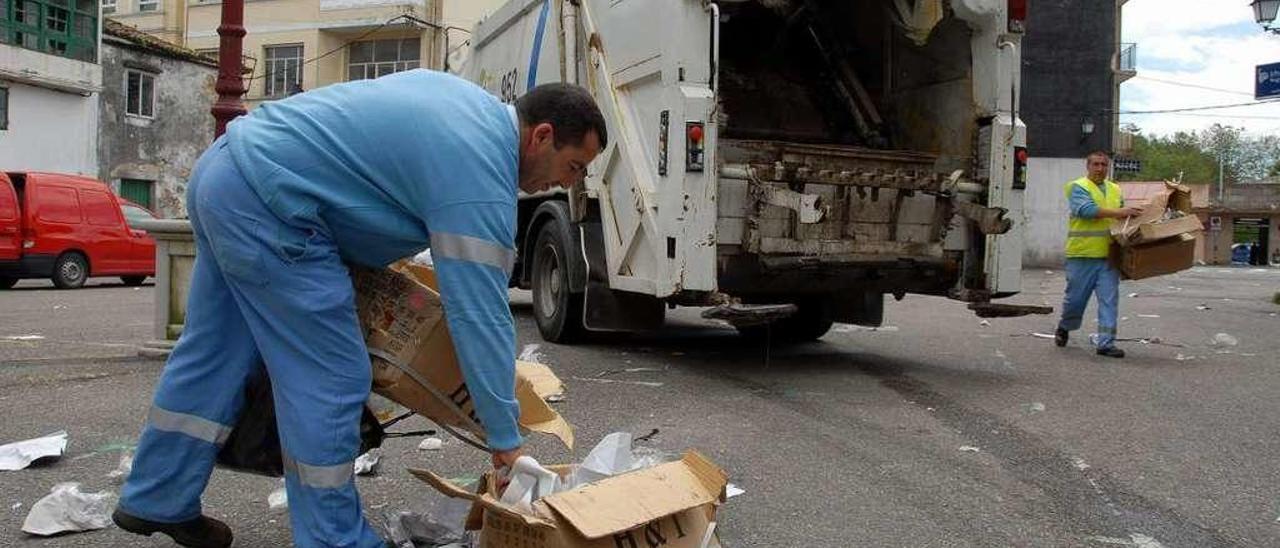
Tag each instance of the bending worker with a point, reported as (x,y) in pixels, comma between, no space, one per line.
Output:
(1095,202)
(366,172)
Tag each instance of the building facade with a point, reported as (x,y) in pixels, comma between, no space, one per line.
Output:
(49,82)
(1072,67)
(154,117)
(296,45)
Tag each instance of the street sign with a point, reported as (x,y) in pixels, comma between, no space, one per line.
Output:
(1127,165)
(1267,85)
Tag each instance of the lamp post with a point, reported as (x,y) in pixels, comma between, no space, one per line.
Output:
(1264,12)
(230,84)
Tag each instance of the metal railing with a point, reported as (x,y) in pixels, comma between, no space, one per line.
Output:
(1127,60)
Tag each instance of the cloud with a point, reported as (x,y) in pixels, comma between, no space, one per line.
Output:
(1191,56)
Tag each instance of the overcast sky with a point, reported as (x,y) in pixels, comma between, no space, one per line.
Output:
(1207,43)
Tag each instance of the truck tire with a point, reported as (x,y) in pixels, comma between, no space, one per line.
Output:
(809,323)
(8,283)
(556,309)
(133,281)
(70,271)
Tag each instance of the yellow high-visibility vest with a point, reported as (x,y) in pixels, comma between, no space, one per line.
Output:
(1091,238)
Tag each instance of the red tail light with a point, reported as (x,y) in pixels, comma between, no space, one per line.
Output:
(1018,15)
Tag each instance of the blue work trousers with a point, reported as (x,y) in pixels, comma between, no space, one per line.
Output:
(1097,276)
(262,291)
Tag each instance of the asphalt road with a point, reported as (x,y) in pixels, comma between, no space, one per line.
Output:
(936,430)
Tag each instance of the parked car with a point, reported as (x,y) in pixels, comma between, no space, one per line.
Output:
(69,228)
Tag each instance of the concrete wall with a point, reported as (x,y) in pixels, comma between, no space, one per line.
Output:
(165,147)
(1067,76)
(1045,231)
(50,131)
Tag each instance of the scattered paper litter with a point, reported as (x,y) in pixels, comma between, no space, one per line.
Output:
(1042,335)
(985,323)
(1202,307)
(732,490)
(23,338)
(16,506)
(1133,295)
(366,463)
(1183,358)
(278,500)
(1080,464)
(1143,541)
(532,353)
(850,328)
(554,398)
(1148,316)
(1036,407)
(66,509)
(1223,339)
(619,381)
(19,455)
(122,470)
(968,449)
(431,444)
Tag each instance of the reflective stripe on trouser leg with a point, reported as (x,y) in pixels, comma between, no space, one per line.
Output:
(319,477)
(1082,274)
(201,389)
(1107,289)
(301,312)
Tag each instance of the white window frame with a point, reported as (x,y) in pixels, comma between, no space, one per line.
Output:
(275,65)
(136,110)
(148,6)
(109,7)
(399,64)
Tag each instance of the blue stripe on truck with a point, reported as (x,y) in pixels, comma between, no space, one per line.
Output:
(537,45)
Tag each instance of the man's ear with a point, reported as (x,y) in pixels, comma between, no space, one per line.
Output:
(542,134)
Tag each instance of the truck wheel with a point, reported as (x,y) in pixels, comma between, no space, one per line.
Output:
(556,308)
(809,323)
(133,281)
(6,283)
(70,270)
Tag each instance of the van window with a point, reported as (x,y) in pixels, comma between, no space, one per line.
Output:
(58,204)
(132,214)
(99,208)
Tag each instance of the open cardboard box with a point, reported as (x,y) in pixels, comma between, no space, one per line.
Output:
(1152,226)
(1156,259)
(414,363)
(672,505)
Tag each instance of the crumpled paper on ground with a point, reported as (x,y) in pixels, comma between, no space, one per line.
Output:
(66,509)
(19,455)
(614,455)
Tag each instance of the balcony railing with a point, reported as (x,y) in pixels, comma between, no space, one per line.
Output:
(1128,58)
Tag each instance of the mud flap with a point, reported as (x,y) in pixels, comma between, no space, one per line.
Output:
(606,309)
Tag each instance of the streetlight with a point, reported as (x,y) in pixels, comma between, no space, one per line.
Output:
(1264,12)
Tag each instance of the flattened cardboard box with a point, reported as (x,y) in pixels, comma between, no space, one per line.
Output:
(1151,226)
(414,363)
(671,505)
(1157,259)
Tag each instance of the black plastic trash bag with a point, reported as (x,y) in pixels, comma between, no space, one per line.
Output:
(254,443)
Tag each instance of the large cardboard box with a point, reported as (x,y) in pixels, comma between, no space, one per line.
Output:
(671,505)
(1156,259)
(414,363)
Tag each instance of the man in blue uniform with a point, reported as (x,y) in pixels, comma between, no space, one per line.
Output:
(364,172)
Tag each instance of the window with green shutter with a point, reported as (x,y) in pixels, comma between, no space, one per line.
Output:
(68,28)
(137,191)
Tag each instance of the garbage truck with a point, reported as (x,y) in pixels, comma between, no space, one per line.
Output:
(785,163)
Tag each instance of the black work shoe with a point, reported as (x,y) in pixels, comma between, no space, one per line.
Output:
(1112,352)
(1060,337)
(202,532)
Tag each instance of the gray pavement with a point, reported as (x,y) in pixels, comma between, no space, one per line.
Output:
(866,438)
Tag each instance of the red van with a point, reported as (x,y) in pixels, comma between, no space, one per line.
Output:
(69,228)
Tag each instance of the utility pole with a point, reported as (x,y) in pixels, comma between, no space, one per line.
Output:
(230,85)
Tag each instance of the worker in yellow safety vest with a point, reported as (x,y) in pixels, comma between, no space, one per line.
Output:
(1095,202)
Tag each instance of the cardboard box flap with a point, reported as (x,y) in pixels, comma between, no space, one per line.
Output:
(449,489)
(545,382)
(627,501)
(535,414)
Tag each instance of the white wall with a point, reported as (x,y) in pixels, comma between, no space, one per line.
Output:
(50,131)
(1046,209)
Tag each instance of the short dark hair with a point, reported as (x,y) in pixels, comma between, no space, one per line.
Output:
(1101,153)
(570,110)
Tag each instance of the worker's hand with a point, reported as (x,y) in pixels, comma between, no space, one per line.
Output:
(1131,211)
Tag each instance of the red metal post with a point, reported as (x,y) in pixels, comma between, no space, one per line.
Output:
(230,85)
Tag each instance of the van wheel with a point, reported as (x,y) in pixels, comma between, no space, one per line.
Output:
(556,309)
(70,270)
(6,283)
(133,281)
(809,323)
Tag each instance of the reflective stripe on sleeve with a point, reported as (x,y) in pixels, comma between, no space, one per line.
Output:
(472,249)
